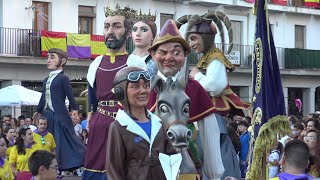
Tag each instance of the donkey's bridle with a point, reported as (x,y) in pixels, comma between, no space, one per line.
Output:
(173,123)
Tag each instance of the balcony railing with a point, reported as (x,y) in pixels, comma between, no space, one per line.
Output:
(27,42)
(20,42)
(243,54)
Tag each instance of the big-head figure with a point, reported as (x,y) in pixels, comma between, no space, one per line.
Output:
(102,103)
(169,51)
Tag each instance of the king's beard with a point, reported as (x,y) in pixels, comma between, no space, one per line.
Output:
(115,43)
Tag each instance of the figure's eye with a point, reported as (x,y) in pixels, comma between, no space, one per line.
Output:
(176,53)
(164,108)
(186,108)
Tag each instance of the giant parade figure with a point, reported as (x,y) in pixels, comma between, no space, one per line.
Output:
(70,150)
(211,73)
(168,51)
(102,102)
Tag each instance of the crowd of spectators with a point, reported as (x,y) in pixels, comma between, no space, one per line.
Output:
(21,138)
(305,129)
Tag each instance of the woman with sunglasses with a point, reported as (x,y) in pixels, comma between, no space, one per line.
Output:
(136,137)
(312,139)
(22,150)
(144,29)
(9,133)
(5,169)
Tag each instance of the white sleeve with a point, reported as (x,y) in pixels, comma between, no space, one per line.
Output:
(215,80)
(210,136)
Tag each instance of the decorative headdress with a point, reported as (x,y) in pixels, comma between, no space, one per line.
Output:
(126,12)
(169,33)
(203,25)
(149,16)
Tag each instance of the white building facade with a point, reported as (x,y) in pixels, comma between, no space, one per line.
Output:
(293,27)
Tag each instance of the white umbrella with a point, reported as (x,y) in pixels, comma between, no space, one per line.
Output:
(17,95)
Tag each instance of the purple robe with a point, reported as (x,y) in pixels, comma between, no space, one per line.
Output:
(99,123)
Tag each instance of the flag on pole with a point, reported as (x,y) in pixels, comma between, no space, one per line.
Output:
(51,39)
(98,46)
(78,45)
(268,118)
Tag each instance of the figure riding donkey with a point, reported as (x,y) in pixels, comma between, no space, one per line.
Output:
(168,51)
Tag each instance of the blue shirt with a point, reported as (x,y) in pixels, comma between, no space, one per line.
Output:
(244,141)
(146,126)
(84,124)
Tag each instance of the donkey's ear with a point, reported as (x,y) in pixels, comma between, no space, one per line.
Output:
(156,83)
(183,76)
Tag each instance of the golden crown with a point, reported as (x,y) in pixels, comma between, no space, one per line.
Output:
(146,16)
(126,11)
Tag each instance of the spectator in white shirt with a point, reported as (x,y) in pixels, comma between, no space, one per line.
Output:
(76,125)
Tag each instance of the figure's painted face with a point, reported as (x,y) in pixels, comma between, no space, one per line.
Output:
(196,42)
(169,58)
(141,34)
(138,94)
(54,62)
(114,32)
(3,147)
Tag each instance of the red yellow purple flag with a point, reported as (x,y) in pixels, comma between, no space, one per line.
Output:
(98,46)
(78,45)
(51,39)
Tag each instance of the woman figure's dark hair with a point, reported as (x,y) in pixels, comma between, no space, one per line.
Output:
(20,142)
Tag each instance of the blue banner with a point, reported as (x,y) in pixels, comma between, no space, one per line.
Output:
(268,99)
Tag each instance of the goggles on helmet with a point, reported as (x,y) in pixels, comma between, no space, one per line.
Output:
(134,76)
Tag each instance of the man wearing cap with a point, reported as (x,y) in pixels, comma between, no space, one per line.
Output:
(70,150)
(102,103)
(168,51)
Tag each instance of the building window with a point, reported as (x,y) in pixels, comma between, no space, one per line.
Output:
(86,16)
(164,18)
(40,21)
(299,33)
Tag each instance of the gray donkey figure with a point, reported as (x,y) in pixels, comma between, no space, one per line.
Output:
(173,110)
